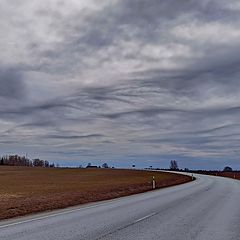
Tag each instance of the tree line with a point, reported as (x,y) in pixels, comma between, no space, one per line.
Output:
(16,160)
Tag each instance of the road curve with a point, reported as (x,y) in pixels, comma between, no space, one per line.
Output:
(205,209)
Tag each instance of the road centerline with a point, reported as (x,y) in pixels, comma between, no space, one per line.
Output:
(144,218)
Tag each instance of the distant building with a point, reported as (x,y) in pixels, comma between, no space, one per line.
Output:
(91,166)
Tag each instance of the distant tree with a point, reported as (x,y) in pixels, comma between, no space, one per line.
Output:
(38,163)
(89,165)
(52,165)
(46,164)
(105,165)
(173,165)
(133,166)
(16,160)
(227,169)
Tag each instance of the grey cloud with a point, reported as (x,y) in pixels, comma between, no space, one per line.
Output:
(122,76)
(147,112)
(75,136)
(11,83)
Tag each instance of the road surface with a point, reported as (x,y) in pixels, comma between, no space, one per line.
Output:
(205,209)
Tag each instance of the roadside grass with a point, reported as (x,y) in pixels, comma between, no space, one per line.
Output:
(234,175)
(25,190)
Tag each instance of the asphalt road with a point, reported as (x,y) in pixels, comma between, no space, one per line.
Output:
(208,208)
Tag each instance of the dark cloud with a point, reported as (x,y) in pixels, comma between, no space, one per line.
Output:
(11,83)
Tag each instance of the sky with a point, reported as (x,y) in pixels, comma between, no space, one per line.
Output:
(121,81)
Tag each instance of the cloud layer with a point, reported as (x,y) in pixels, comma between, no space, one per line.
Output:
(125,81)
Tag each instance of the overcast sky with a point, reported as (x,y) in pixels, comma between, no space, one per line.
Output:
(122,81)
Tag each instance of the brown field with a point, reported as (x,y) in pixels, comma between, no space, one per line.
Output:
(234,175)
(25,190)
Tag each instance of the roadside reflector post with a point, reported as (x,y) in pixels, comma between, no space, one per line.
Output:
(234,175)
(153,183)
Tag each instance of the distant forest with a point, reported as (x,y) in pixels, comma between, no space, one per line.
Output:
(16,160)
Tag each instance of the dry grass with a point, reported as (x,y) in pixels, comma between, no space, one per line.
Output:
(234,175)
(25,190)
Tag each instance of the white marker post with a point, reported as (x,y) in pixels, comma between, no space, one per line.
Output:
(153,183)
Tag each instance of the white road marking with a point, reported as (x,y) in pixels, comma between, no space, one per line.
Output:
(143,218)
(68,211)
(49,216)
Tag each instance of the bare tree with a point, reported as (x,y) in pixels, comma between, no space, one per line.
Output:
(46,164)
(52,165)
(15,160)
(173,165)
